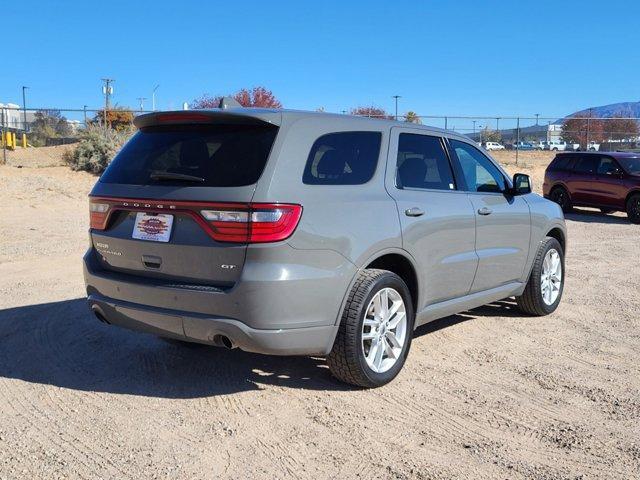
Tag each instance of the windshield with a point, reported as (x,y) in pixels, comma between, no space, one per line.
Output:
(204,155)
(631,165)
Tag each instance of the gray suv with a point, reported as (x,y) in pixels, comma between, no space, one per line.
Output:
(299,233)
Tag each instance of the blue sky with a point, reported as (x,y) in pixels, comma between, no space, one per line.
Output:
(445,57)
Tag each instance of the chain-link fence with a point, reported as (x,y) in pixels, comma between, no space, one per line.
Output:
(37,127)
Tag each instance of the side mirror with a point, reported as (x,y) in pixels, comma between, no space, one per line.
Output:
(521,184)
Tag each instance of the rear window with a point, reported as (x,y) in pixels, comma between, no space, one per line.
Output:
(199,155)
(345,158)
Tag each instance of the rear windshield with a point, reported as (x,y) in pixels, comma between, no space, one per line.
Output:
(198,155)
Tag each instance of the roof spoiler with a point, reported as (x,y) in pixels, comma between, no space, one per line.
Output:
(244,116)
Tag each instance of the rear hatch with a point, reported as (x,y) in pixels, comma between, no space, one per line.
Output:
(175,203)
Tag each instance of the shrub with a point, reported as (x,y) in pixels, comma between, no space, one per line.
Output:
(96,148)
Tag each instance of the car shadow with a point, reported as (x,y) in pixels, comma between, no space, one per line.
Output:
(592,216)
(62,344)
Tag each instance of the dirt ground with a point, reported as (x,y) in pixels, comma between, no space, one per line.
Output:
(484,394)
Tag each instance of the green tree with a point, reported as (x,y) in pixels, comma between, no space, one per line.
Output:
(412,117)
(48,124)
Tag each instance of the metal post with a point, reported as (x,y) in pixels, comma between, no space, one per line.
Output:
(537,115)
(497,124)
(446,122)
(517,139)
(588,119)
(84,108)
(396,98)
(4,142)
(474,127)
(24,110)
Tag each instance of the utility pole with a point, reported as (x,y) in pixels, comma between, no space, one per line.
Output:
(24,110)
(396,98)
(141,100)
(474,127)
(497,124)
(107,89)
(537,115)
(153,98)
(84,108)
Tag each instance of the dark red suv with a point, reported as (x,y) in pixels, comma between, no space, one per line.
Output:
(608,181)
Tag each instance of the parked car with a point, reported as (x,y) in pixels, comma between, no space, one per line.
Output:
(493,146)
(610,182)
(522,146)
(300,233)
(555,146)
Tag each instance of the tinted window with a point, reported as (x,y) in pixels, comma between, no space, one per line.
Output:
(221,155)
(480,174)
(345,158)
(632,165)
(585,164)
(606,165)
(561,163)
(422,163)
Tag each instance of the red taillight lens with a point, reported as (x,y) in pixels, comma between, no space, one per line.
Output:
(255,223)
(98,214)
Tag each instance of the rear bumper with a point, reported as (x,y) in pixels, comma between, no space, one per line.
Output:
(208,330)
(287,302)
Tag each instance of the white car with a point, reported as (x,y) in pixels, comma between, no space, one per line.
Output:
(493,146)
(593,146)
(557,146)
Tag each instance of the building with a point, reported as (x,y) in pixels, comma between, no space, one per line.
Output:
(12,117)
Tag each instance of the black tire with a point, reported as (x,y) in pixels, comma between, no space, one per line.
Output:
(346,359)
(633,208)
(606,211)
(531,302)
(560,195)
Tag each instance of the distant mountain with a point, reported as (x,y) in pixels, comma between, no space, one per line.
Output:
(627,109)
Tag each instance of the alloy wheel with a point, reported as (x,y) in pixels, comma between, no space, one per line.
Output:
(551,276)
(384,330)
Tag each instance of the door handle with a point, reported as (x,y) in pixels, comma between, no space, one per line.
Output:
(414,212)
(485,211)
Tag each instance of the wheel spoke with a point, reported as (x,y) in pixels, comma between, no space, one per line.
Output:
(392,339)
(371,322)
(373,350)
(370,335)
(377,361)
(384,302)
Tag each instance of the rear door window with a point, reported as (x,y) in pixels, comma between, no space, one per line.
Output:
(585,164)
(562,163)
(423,163)
(204,155)
(343,158)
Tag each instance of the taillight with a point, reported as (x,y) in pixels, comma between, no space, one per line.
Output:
(98,215)
(253,223)
(224,222)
